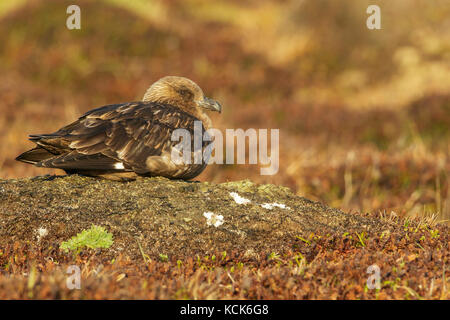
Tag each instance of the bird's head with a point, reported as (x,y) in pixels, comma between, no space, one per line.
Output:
(183,93)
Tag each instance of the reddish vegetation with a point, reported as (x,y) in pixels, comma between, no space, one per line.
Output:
(413,265)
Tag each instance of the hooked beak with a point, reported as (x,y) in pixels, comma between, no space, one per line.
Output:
(211,104)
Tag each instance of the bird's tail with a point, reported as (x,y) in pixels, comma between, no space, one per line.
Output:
(35,155)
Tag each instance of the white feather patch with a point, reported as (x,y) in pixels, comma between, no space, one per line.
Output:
(119,165)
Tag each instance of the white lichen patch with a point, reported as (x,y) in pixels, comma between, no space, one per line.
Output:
(238,199)
(41,232)
(213,219)
(270,206)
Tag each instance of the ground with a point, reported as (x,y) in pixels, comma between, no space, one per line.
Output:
(268,243)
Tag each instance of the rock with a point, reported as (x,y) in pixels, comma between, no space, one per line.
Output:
(162,216)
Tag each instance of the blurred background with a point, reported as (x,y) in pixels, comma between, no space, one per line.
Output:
(364,115)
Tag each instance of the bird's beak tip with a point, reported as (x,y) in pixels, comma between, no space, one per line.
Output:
(212,104)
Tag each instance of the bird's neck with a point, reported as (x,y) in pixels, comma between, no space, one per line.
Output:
(203,117)
(186,107)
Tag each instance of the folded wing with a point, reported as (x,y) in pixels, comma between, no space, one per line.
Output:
(112,138)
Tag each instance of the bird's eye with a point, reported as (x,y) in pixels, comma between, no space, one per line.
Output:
(186,94)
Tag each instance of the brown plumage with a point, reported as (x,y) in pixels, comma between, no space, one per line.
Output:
(122,141)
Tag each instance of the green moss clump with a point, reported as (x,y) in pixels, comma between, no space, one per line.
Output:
(94,237)
(243,186)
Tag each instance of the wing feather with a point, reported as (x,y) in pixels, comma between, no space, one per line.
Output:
(127,133)
(76,160)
